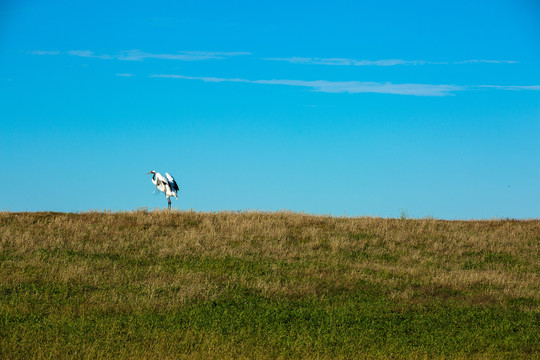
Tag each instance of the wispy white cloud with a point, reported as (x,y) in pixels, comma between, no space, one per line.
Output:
(512,87)
(88,54)
(138,55)
(384,62)
(351,87)
(44,52)
(124,75)
(354,87)
(475,61)
(348,62)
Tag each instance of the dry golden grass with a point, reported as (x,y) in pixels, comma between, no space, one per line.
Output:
(67,265)
(498,256)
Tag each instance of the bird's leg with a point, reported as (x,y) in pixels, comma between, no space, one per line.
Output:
(169,201)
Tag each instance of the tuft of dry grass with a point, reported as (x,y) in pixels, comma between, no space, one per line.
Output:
(136,269)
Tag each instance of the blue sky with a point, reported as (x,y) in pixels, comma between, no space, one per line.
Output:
(342,107)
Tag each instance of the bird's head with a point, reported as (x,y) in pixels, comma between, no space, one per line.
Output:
(151,172)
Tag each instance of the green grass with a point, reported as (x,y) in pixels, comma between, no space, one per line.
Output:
(162,285)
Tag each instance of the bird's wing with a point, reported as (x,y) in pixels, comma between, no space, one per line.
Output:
(161,179)
(173,183)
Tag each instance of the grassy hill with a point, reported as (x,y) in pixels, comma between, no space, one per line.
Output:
(158,285)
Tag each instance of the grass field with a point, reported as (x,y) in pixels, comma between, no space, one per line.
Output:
(159,285)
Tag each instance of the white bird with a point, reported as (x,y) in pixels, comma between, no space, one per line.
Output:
(164,184)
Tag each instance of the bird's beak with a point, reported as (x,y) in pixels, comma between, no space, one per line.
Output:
(148,173)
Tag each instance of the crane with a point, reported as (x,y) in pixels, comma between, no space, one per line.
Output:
(164,184)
